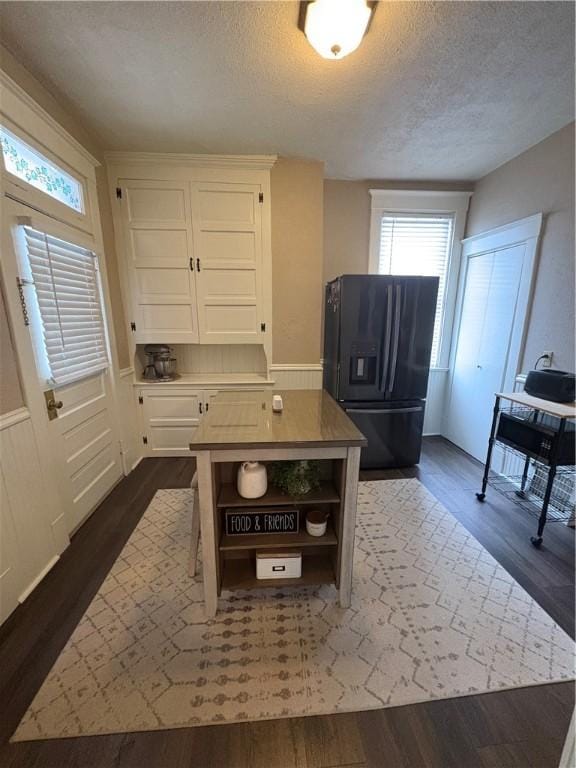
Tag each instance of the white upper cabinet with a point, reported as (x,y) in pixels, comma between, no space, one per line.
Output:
(227,227)
(194,234)
(159,250)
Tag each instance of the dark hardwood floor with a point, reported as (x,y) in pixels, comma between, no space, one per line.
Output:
(523,727)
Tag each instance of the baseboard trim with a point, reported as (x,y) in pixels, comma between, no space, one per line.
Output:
(34,583)
(12,418)
(138,460)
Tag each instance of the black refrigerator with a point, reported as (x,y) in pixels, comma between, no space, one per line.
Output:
(377,342)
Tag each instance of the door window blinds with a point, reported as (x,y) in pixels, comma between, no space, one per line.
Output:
(67,288)
(418,244)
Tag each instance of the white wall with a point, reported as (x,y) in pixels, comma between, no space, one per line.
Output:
(540,179)
(435,395)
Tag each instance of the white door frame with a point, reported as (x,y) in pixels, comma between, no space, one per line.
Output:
(23,346)
(524,231)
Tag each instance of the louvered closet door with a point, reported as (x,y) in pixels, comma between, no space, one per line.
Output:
(462,412)
(228,243)
(496,333)
(488,312)
(158,235)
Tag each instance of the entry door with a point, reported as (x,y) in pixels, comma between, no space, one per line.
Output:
(489,311)
(89,446)
(158,236)
(81,444)
(227,226)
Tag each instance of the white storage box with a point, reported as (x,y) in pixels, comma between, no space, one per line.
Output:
(278,565)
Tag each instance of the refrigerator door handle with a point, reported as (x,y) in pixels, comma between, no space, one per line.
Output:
(398,310)
(388,337)
(414,409)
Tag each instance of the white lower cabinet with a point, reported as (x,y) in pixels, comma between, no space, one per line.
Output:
(170,415)
(170,418)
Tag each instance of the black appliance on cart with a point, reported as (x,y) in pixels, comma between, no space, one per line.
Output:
(537,439)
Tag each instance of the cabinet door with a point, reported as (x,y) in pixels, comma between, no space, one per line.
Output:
(208,395)
(227,226)
(158,237)
(171,416)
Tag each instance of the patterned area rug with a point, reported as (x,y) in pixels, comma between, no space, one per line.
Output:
(433,616)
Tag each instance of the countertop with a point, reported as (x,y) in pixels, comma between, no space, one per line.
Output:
(310,418)
(202,380)
(561,410)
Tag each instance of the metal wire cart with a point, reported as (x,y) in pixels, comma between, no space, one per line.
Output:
(532,456)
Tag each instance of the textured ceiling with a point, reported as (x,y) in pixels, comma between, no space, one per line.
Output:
(444,90)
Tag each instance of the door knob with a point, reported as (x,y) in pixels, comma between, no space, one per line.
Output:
(52,405)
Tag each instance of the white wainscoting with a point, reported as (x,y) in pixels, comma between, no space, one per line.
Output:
(434,415)
(297,376)
(32,521)
(218,358)
(130,428)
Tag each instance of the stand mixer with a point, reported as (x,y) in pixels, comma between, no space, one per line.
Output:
(160,365)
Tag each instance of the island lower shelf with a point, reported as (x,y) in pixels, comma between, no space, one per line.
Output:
(236,551)
(239,573)
(273,541)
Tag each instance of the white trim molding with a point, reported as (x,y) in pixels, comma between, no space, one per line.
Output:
(21,115)
(34,583)
(130,429)
(504,236)
(249,162)
(24,98)
(452,202)
(297,375)
(522,232)
(12,418)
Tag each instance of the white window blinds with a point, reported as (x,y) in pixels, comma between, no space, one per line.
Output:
(418,244)
(67,288)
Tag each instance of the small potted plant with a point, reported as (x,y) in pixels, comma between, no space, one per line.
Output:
(296,478)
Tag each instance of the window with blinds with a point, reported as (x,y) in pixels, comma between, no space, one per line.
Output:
(69,307)
(418,244)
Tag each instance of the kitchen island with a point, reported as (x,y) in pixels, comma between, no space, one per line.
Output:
(241,426)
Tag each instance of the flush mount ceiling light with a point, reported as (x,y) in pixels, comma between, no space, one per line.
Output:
(335,28)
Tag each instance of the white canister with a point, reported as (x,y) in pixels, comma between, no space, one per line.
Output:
(316,522)
(252,480)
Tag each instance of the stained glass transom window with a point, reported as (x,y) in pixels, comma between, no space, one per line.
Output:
(29,165)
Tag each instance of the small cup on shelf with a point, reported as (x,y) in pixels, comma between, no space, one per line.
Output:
(316,522)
